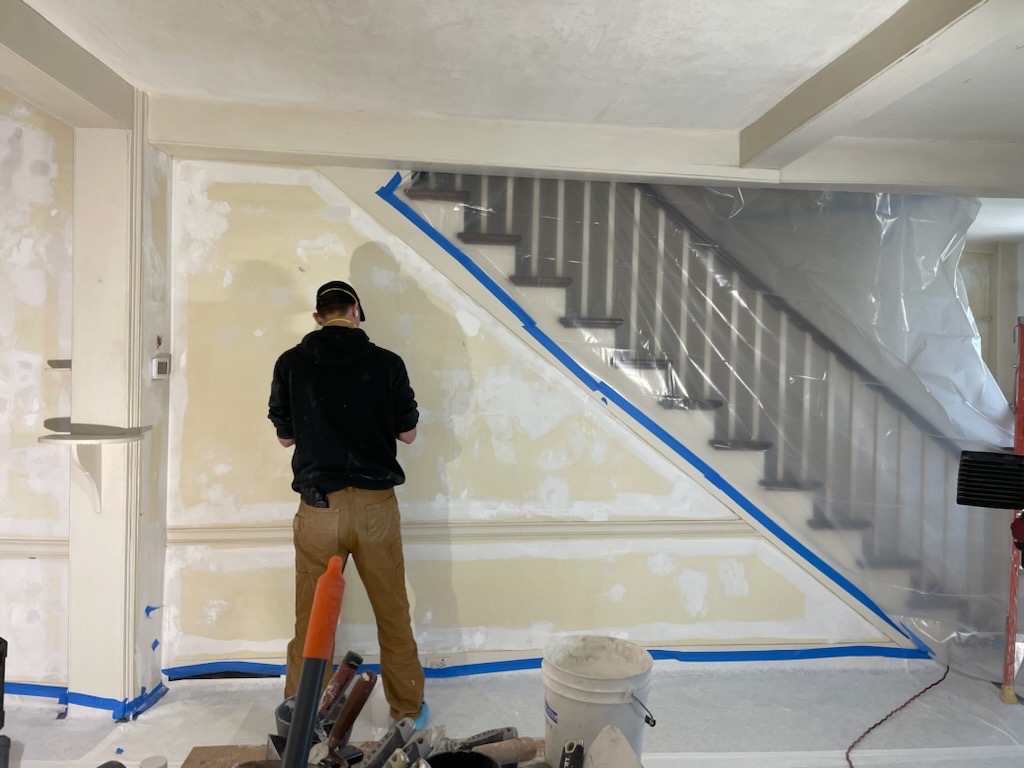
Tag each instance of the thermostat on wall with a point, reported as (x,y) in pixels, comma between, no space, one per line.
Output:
(161,366)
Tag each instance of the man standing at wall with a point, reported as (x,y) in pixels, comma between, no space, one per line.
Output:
(343,402)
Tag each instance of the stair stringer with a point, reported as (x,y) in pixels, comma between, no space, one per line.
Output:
(731,479)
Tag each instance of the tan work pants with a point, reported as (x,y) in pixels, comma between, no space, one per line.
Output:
(365,524)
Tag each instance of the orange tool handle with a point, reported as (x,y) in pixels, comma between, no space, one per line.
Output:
(323,620)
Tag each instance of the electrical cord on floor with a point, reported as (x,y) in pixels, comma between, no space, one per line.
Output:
(904,705)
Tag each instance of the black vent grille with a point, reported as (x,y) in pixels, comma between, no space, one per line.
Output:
(993,480)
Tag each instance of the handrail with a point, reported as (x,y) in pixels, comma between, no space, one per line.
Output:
(918,419)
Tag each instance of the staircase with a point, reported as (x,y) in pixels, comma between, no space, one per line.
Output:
(818,444)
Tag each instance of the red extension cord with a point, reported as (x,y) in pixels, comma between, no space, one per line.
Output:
(904,705)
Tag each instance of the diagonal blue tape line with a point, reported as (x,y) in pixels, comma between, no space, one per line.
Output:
(388,193)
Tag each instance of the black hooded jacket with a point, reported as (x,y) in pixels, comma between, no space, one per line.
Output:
(344,400)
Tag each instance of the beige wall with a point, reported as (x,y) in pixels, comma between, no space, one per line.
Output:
(35,326)
(507,444)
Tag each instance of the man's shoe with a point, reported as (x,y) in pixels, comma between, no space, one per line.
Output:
(421,719)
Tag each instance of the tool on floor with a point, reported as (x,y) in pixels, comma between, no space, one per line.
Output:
(334,693)
(477,740)
(395,737)
(510,752)
(342,729)
(462,760)
(572,755)
(317,654)
(420,745)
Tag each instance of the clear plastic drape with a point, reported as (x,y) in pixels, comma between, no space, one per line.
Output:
(814,349)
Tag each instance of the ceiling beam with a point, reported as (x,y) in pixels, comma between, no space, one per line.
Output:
(188,129)
(42,65)
(239,132)
(977,168)
(920,41)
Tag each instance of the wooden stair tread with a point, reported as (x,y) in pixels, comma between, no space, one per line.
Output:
(679,403)
(590,322)
(540,281)
(490,238)
(438,195)
(790,485)
(846,524)
(640,362)
(740,445)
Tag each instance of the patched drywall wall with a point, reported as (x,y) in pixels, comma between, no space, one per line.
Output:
(507,444)
(36,171)
(156,342)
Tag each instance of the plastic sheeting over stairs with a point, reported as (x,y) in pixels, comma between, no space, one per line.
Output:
(811,352)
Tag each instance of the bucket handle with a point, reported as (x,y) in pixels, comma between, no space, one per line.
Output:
(648,718)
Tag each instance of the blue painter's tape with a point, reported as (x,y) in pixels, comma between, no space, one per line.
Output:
(217,667)
(150,609)
(793,654)
(155,645)
(922,646)
(119,751)
(387,192)
(98,702)
(144,701)
(608,394)
(119,709)
(57,692)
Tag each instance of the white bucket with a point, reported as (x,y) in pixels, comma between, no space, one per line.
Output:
(591,682)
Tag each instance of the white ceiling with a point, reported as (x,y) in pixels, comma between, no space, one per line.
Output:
(999,220)
(694,64)
(982,98)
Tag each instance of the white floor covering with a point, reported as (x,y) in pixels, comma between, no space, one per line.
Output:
(781,715)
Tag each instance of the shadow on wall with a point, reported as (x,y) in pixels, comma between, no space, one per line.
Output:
(404,318)
(239,322)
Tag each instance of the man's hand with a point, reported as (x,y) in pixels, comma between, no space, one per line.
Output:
(407,437)
(287,442)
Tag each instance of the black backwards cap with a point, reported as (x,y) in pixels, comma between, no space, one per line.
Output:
(337,292)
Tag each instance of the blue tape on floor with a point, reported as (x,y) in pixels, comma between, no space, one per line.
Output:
(32,689)
(794,654)
(116,707)
(388,193)
(220,667)
(516,665)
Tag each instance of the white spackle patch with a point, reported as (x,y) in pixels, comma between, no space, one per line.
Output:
(406,326)
(258,332)
(731,575)
(229,278)
(693,588)
(428,617)
(341,213)
(201,222)
(328,243)
(212,610)
(470,323)
(661,564)
(617,593)
(221,469)
(384,279)
(552,460)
